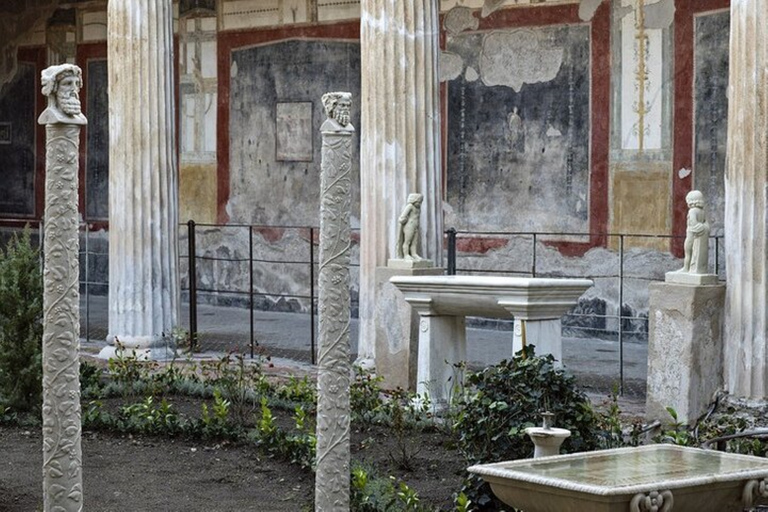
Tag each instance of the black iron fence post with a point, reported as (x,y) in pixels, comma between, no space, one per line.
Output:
(192,285)
(533,267)
(312,295)
(621,315)
(250,282)
(451,251)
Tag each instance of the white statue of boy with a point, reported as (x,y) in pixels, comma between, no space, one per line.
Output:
(408,229)
(696,262)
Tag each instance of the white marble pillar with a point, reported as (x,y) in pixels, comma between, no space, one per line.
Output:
(400,145)
(143,177)
(333,373)
(62,453)
(746,216)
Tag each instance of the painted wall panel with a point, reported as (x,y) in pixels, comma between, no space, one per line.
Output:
(711,111)
(264,190)
(17,143)
(518,129)
(97,159)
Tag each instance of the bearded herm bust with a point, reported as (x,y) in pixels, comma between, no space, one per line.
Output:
(61,84)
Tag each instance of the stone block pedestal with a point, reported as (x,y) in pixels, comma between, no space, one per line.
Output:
(397,329)
(685,349)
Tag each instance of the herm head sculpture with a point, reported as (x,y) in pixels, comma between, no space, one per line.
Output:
(337,107)
(61,85)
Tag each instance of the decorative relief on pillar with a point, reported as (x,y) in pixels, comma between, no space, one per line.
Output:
(62,456)
(654,501)
(332,474)
(754,490)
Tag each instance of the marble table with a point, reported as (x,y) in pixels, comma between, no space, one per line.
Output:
(659,478)
(443,302)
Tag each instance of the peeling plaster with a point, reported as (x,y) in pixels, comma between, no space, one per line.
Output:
(451,66)
(660,15)
(491,6)
(460,19)
(683,173)
(553,132)
(517,57)
(623,10)
(587,9)
(471,74)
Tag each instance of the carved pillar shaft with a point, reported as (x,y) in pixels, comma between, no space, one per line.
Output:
(400,145)
(746,213)
(143,183)
(62,455)
(332,474)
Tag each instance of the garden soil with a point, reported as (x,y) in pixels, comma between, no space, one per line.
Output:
(123,473)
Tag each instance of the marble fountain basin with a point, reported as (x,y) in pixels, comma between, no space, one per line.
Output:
(528,298)
(671,478)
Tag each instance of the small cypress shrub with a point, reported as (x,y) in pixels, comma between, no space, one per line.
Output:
(21,325)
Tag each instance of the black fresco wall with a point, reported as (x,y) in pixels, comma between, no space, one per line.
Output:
(97,159)
(17,143)
(267,187)
(518,152)
(711,111)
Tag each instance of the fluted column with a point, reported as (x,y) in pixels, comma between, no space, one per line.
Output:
(746,216)
(143,181)
(400,144)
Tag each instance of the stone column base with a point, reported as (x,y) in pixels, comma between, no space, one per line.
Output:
(685,349)
(397,324)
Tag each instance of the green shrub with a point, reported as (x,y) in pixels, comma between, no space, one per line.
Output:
(502,400)
(21,327)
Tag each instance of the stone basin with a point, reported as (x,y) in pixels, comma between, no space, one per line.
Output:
(529,298)
(626,479)
(443,302)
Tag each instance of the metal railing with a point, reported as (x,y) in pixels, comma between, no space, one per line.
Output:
(539,239)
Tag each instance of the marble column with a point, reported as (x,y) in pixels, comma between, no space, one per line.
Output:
(62,453)
(143,178)
(400,144)
(746,216)
(333,373)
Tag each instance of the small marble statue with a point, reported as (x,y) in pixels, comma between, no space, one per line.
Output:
(61,84)
(408,229)
(337,107)
(696,262)
(696,235)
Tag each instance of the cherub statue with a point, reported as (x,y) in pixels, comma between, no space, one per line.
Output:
(337,107)
(61,84)
(696,236)
(408,229)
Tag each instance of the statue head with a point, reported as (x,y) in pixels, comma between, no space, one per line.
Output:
(695,199)
(337,106)
(415,199)
(61,84)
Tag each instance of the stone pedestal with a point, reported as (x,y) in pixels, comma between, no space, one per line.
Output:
(144,290)
(397,329)
(685,349)
(746,211)
(62,452)
(400,138)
